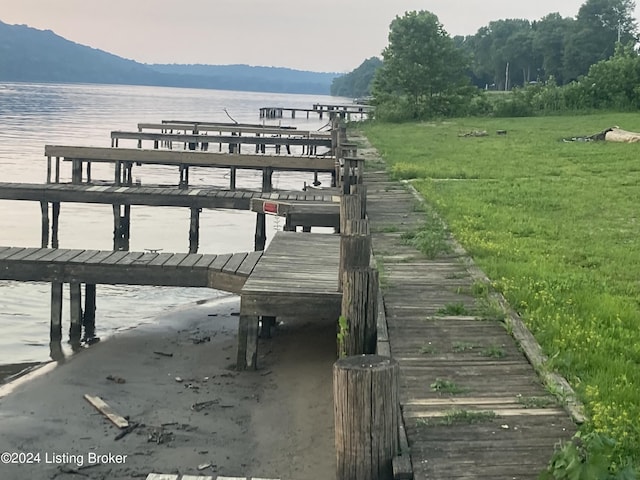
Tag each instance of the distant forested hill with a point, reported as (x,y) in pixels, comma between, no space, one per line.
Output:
(31,55)
(358,82)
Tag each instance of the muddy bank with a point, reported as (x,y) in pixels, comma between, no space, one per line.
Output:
(195,413)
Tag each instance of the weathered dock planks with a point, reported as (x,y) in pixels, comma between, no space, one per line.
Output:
(194,197)
(226,272)
(507,423)
(298,273)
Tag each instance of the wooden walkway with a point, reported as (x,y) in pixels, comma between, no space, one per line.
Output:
(472,404)
(226,272)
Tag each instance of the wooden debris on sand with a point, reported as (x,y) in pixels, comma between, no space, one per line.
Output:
(106,410)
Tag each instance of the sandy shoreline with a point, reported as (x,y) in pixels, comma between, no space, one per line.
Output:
(276,422)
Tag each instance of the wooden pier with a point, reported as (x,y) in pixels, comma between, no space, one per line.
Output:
(298,274)
(331,111)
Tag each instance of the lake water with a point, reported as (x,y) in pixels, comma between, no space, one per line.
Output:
(33,115)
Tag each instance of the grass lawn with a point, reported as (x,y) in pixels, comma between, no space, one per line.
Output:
(556,226)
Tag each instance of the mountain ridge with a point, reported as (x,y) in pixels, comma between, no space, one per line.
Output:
(31,55)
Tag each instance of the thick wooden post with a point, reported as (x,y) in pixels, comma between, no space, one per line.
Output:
(260,238)
(355,252)
(361,191)
(350,209)
(267,173)
(365,396)
(75,296)
(44,208)
(89,315)
(56,312)
(232,178)
(194,230)
(360,308)
(76,171)
(55,214)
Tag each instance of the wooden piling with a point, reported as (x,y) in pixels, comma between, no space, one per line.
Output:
(75,306)
(121,227)
(365,393)
(260,238)
(232,178)
(44,208)
(89,315)
(247,342)
(56,312)
(350,209)
(355,252)
(267,174)
(55,219)
(360,308)
(194,230)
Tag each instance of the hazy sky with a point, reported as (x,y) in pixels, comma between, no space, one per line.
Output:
(320,35)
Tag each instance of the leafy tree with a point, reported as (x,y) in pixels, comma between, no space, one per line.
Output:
(422,67)
(599,25)
(548,42)
(357,83)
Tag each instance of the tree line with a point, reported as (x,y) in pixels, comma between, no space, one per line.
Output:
(549,65)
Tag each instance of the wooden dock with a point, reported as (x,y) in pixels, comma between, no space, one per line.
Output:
(193,197)
(297,275)
(125,158)
(332,111)
(226,272)
(472,404)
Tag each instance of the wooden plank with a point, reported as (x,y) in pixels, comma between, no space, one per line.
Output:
(162,476)
(67,255)
(160,259)
(249,263)
(7,254)
(98,257)
(114,258)
(84,257)
(175,259)
(205,261)
(234,262)
(106,410)
(52,255)
(129,259)
(195,158)
(220,261)
(190,260)
(25,253)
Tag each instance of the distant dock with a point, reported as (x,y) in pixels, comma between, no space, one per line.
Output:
(344,111)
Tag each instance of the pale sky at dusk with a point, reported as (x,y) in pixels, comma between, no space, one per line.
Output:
(319,35)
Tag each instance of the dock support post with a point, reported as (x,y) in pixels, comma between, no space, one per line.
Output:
(121,227)
(360,308)
(261,232)
(194,230)
(365,397)
(184,176)
(56,312)
(266,324)
(76,171)
(55,214)
(89,316)
(44,207)
(75,298)
(350,209)
(232,178)
(267,174)
(247,342)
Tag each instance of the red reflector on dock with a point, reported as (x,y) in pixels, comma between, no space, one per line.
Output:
(270,207)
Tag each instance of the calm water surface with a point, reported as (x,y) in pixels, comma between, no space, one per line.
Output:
(33,115)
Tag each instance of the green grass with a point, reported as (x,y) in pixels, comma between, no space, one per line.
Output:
(446,386)
(556,226)
(459,416)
